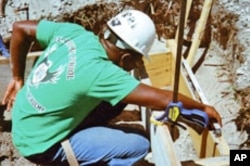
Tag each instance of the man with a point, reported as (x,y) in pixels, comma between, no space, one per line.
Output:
(78,74)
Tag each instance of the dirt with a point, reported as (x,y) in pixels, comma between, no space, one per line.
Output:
(226,64)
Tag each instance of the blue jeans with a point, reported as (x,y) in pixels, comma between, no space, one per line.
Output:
(111,146)
(3,49)
(96,144)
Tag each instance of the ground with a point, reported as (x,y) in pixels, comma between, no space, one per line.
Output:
(226,65)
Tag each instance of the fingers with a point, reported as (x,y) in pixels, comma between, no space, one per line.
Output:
(212,121)
(217,117)
(10,104)
(6,97)
(8,101)
(9,92)
(219,120)
(4,101)
(213,114)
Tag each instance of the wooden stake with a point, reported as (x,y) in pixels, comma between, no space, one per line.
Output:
(199,31)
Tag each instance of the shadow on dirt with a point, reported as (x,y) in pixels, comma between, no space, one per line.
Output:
(5,125)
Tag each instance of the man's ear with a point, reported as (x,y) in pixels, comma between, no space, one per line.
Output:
(126,58)
(126,61)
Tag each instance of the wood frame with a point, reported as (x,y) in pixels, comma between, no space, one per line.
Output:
(212,149)
(207,145)
(30,55)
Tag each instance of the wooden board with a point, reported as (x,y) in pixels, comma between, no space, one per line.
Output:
(29,56)
(162,146)
(160,69)
(199,30)
(205,145)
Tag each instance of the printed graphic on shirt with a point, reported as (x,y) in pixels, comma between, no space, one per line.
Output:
(43,74)
(71,46)
(34,103)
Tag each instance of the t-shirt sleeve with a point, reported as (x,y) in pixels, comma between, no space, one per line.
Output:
(113,84)
(45,31)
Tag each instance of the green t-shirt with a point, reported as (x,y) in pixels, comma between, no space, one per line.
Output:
(70,78)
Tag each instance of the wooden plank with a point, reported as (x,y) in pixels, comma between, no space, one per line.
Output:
(192,81)
(208,144)
(172,45)
(213,161)
(199,30)
(162,146)
(188,7)
(159,69)
(30,55)
(199,141)
(145,112)
(4,60)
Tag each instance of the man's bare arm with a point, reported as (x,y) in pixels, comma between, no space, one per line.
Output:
(23,34)
(158,99)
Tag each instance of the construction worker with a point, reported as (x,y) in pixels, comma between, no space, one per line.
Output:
(78,74)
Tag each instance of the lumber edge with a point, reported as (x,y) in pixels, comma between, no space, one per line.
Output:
(30,55)
(206,145)
(162,145)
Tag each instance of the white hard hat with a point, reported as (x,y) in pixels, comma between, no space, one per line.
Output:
(135,29)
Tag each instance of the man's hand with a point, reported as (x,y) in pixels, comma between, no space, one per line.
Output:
(213,114)
(9,97)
